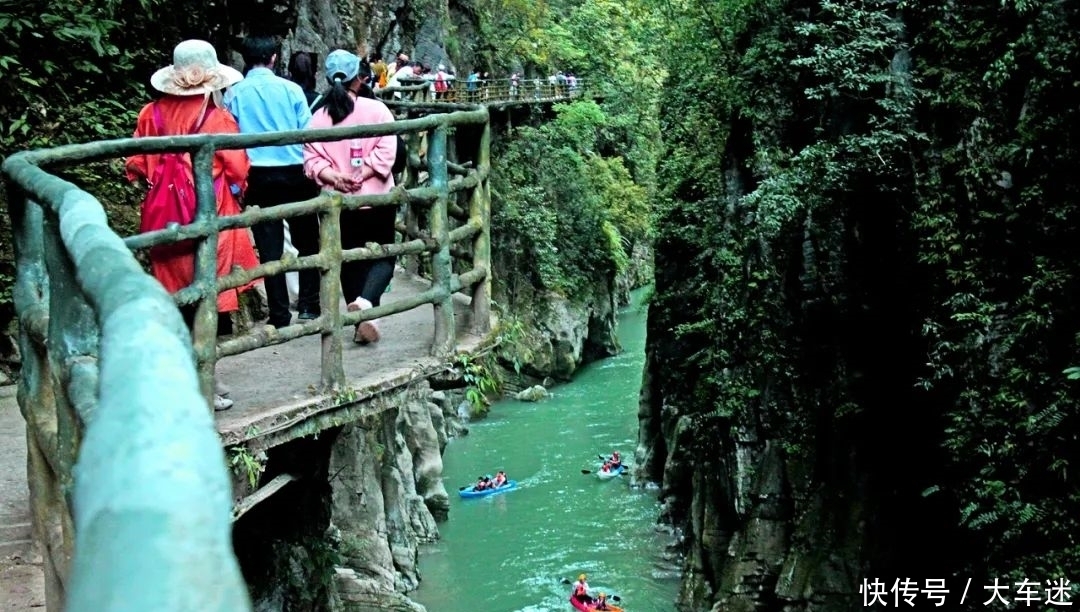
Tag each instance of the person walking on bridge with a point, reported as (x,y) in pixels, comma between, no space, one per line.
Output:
(191,103)
(360,166)
(265,102)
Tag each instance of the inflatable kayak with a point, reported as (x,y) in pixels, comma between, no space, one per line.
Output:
(602,475)
(591,607)
(468,491)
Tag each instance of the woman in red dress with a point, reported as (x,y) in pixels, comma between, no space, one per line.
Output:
(192,103)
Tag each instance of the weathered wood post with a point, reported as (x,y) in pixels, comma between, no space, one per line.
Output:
(480,209)
(333,371)
(72,337)
(204,333)
(49,514)
(412,218)
(441,263)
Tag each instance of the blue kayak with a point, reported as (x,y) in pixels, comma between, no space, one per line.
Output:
(468,491)
(611,474)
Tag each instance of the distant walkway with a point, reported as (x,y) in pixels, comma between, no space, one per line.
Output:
(490,93)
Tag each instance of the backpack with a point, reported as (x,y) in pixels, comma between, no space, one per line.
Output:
(171,198)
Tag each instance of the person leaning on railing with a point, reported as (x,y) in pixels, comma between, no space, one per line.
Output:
(192,98)
(361,166)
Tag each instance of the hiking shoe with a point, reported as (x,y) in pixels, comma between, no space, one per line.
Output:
(307,316)
(222,403)
(366,331)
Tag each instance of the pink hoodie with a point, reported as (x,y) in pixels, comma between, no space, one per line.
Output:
(378,152)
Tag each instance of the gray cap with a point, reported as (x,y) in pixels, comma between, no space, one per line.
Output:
(342,65)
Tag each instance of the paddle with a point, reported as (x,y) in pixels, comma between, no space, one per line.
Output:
(603,459)
(625,466)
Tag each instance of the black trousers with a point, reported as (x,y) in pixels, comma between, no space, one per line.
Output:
(367,279)
(224,321)
(270,186)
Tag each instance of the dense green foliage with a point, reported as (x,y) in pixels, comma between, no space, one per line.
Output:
(563,217)
(998,215)
(76,72)
(866,249)
(572,193)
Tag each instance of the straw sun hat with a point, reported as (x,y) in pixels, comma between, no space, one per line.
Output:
(195,70)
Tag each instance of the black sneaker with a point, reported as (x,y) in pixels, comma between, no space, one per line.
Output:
(307,316)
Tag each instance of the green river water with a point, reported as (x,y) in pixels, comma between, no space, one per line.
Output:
(510,552)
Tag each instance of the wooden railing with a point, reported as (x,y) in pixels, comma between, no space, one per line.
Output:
(489,92)
(126,468)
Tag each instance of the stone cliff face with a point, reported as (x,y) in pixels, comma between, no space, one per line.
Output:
(560,333)
(417,27)
(784,413)
(386,496)
(348,538)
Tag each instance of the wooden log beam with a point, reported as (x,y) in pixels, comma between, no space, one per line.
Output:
(204,227)
(204,332)
(68,155)
(262,494)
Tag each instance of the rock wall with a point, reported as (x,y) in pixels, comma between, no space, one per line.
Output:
(558,333)
(386,496)
(416,27)
(638,274)
(844,380)
(346,536)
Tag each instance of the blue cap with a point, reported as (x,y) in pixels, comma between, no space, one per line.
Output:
(343,65)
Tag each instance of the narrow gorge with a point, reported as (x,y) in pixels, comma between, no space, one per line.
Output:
(858,220)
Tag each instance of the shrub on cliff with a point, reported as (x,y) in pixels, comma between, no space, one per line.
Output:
(563,217)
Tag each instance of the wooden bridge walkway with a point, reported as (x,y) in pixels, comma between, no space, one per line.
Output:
(274,387)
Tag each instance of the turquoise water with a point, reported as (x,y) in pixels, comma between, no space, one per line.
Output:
(510,552)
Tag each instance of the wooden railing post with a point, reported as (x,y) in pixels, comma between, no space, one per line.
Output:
(333,371)
(73,335)
(49,513)
(412,218)
(480,209)
(441,263)
(204,332)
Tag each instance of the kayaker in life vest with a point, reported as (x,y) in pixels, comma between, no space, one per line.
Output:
(615,461)
(482,483)
(581,590)
(500,479)
(601,601)
(606,467)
